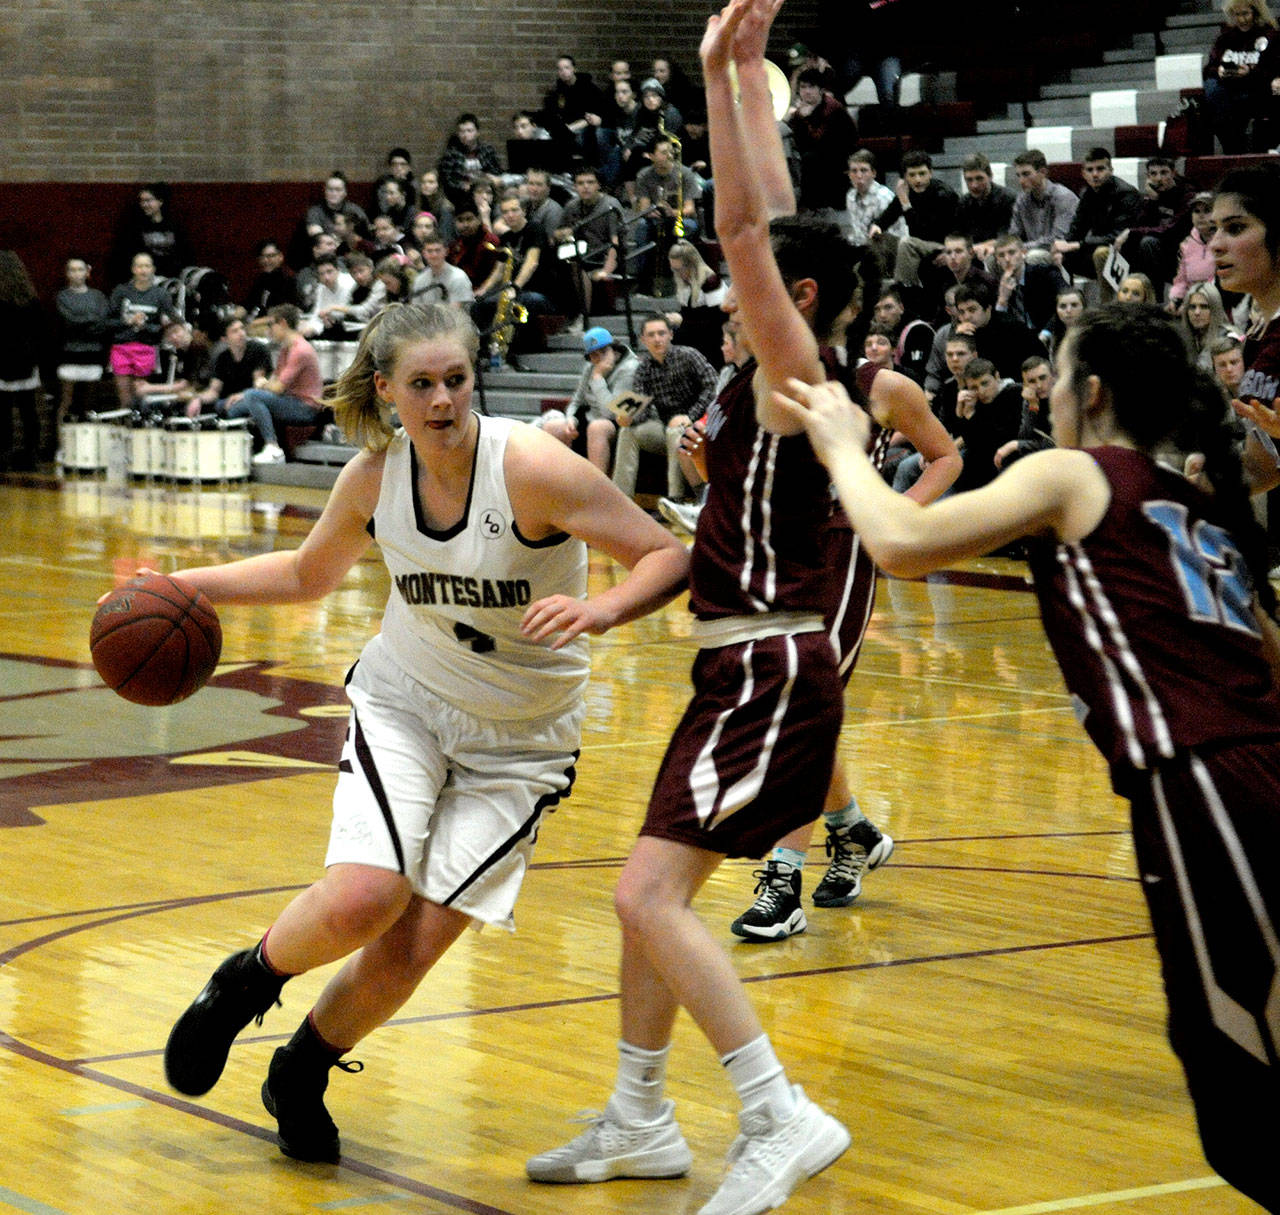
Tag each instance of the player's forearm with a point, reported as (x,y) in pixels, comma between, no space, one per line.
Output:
(658,577)
(764,143)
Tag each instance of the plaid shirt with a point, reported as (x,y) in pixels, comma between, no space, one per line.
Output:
(683,383)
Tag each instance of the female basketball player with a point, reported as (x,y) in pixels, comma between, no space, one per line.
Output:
(1155,600)
(1245,244)
(466,707)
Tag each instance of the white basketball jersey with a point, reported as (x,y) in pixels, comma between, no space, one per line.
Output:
(458,596)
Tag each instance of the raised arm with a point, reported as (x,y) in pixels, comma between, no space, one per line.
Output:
(1060,493)
(783,343)
(768,162)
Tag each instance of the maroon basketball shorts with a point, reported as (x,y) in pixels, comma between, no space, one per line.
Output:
(850,592)
(752,757)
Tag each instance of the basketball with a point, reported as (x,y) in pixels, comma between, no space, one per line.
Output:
(155,641)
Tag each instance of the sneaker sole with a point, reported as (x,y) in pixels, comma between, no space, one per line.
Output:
(667,1162)
(790,927)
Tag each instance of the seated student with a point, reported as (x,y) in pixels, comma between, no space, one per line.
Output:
(912,338)
(1136,288)
(273,284)
(1240,74)
(367,298)
(1227,354)
(866,201)
(181,363)
(292,394)
(320,217)
(985,209)
(988,415)
(935,370)
(1026,293)
(1195,261)
(138,311)
(1202,322)
(83,315)
(588,424)
(1000,339)
(438,281)
(398,279)
(1067,309)
(393,202)
(325,244)
(592,224)
(960,350)
(1151,243)
(1108,207)
(929,207)
(1043,211)
(333,294)
(475,249)
(400,170)
(239,363)
(467,160)
(432,198)
(698,318)
(1036,430)
(825,136)
(388,238)
(954,266)
(877,347)
(667,197)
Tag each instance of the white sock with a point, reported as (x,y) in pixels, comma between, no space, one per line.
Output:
(641,1079)
(788,856)
(759,1078)
(846,816)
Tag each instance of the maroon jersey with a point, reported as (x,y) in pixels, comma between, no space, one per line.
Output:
(1261,380)
(758,546)
(1150,618)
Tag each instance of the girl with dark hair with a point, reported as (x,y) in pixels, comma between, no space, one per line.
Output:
(1155,600)
(21,323)
(148,227)
(467,706)
(1246,252)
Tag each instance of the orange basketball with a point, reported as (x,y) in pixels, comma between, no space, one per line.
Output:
(155,641)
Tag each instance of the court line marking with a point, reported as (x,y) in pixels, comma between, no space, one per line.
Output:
(20,1202)
(1102,1199)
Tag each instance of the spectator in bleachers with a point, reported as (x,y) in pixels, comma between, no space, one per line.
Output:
(667,197)
(437,282)
(1151,244)
(524,125)
(617,132)
(475,249)
(678,385)
(985,209)
(866,201)
(367,299)
(678,88)
(1034,431)
(929,207)
(1136,288)
(393,202)
(182,363)
(958,266)
(334,290)
(291,395)
(400,170)
(1242,73)
(619,69)
(1043,212)
(655,115)
(1108,207)
(349,240)
(528,278)
(1026,293)
(465,161)
(544,211)
(324,244)
(801,59)
(1204,322)
(239,363)
(877,347)
(398,278)
(22,323)
(387,239)
(420,231)
(1067,309)
(83,322)
(593,223)
(698,320)
(320,216)
(149,227)
(988,416)
(825,136)
(432,198)
(912,337)
(1227,355)
(1000,339)
(1195,262)
(138,310)
(588,422)
(959,350)
(936,369)
(571,105)
(273,284)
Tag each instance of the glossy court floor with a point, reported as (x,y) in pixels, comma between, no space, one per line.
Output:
(987,1018)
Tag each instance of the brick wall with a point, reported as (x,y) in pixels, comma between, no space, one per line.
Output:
(272,90)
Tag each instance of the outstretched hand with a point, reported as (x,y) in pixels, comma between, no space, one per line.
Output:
(835,425)
(716,47)
(1265,419)
(752,37)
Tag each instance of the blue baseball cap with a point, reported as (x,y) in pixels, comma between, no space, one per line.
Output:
(596,339)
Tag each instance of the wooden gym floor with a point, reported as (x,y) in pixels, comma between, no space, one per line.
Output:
(987,1018)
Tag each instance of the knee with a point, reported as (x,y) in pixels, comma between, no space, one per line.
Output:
(363,901)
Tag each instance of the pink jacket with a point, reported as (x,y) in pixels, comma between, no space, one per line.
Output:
(1195,265)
